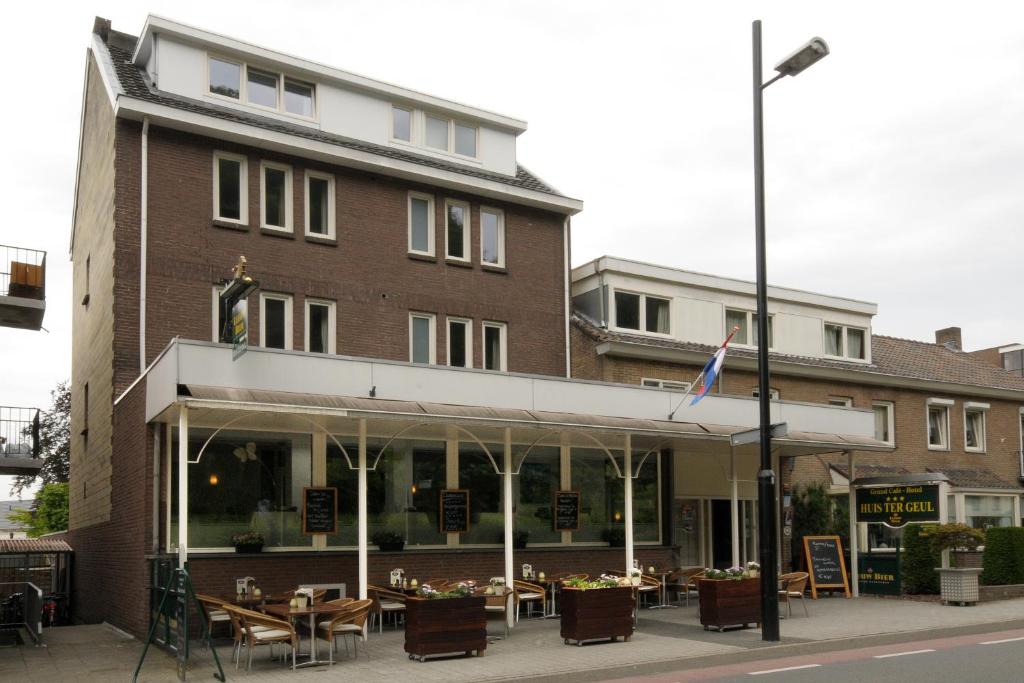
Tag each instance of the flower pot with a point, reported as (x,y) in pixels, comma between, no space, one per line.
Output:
(596,614)
(959,586)
(445,626)
(249,548)
(729,602)
(634,581)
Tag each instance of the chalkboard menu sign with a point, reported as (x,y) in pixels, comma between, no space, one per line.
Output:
(825,564)
(567,510)
(454,511)
(320,510)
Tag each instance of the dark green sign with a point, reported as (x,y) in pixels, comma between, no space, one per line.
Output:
(898,505)
(879,574)
(239,330)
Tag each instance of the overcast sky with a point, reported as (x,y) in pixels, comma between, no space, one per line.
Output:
(895,167)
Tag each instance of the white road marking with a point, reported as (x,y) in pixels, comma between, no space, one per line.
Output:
(1005,640)
(788,668)
(901,654)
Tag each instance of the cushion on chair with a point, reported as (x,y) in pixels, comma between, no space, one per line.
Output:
(272,634)
(391,605)
(219,615)
(530,596)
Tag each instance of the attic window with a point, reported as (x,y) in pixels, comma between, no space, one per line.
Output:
(239,81)
(225,78)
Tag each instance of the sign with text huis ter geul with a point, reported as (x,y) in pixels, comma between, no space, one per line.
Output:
(895,506)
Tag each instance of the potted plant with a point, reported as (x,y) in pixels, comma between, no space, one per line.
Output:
(388,541)
(597,609)
(729,597)
(520,537)
(445,622)
(247,542)
(635,577)
(957,585)
(753,570)
(615,537)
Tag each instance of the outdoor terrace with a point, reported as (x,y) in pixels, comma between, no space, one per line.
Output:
(19,441)
(22,287)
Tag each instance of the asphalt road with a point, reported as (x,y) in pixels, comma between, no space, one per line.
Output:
(992,657)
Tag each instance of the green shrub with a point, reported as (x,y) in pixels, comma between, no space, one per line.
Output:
(1003,561)
(920,558)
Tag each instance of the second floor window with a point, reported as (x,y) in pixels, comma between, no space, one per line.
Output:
(883,421)
(642,313)
(421,223)
(276,321)
(457,230)
(230,199)
(492,237)
(974,427)
(495,352)
(319,204)
(843,341)
(276,203)
(938,424)
(422,343)
(460,343)
(320,324)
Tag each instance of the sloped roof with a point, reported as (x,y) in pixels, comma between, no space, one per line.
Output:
(974,479)
(33,545)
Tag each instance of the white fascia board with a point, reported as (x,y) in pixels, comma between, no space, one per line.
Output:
(170,117)
(724,284)
(1011,347)
(156,24)
(976,405)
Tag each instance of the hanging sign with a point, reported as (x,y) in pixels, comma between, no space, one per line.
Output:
(567,511)
(825,564)
(896,506)
(239,329)
(454,511)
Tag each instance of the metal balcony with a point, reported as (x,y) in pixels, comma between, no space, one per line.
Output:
(22,287)
(19,441)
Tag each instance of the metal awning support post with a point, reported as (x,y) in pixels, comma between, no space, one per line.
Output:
(182,487)
(628,512)
(854,572)
(509,519)
(361,512)
(735,509)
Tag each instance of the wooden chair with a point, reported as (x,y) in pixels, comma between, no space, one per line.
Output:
(793,586)
(238,631)
(506,602)
(351,622)
(691,583)
(531,594)
(648,586)
(385,602)
(214,609)
(275,631)
(678,582)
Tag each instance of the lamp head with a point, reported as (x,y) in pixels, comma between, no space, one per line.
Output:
(806,55)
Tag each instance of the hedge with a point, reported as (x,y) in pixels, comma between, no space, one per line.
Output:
(920,558)
(1003,561)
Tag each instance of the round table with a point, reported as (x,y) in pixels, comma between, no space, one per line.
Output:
(663,574)
(552,586)
(291,613)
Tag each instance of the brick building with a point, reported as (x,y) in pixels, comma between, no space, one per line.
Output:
(942,409)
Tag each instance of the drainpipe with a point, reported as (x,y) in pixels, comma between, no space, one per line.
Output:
(568,312)
(143,215)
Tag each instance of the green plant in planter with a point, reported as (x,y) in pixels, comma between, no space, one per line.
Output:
(462,589)
(247,538)
(388,540)
(615,537)
(954,537)
(920,560)
(603,581)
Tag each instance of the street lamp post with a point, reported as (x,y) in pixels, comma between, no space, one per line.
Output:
(808,54)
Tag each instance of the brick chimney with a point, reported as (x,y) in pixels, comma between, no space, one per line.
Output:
(950,338)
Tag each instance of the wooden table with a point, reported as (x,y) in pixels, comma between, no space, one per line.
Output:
(248,601)
(291,613)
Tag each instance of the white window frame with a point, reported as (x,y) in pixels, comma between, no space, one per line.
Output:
(467,324)
(773,394)
(215,309)
(418,132)
(890,417)
(944,404)
(432,342)
(243,187)
(241,78)
(466,232)
(332,324)
(643,313)
(840,401)
(500,263)
(476,140)
(288,200)
(330,234)
(412,124)
(431,236)
(751,328)
(243,91)
(503,340)
(283,82)
(981,409)
(288,331)
(671,384)
(846,343)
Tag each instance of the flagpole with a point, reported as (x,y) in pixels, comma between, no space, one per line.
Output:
(687,393)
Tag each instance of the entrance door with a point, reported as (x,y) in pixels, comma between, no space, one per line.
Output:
(721,533)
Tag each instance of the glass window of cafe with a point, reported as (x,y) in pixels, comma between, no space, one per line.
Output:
(248,480)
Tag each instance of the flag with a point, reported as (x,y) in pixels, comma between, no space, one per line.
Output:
(713,367)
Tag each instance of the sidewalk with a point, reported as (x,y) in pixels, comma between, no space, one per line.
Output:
(100,653)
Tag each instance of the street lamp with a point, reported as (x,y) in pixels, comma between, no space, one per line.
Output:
(808,54)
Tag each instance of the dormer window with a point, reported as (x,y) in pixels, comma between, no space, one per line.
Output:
(843,341)
(225,78)
(262,89)
(240,82)
(401,124)
(433,132)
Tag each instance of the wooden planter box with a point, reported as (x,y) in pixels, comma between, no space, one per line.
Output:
(445,626)
(728,602)
(596,614)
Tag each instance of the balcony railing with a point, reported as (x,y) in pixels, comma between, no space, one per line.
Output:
(19,437)
(22,272)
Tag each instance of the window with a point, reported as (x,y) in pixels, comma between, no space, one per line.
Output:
(627,310)
(842,341)
(841,401)
(974,426)
(656,315)
(534,492)
(465,140)
(320,326)
(495,353)
(602,495)
(988,511)
(319,204)
(437,133)
(298,98)
(230,194)
(401,124)
(276,191)
(276,321)
(421,223)
(88,279)
(641,312)
(221,319)
(225,78)
(773,394)
(884,421)
(665,384)
(460,343)
(457,230)
(422,338)
(747,322)
(476,473)
(262,88)
(938,423)
(492,236)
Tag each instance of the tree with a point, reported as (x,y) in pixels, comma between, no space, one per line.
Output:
(49,513)
(54,443)
(816,513)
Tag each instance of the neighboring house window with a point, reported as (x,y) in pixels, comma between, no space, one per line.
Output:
(320,326)
(276,321)
(319,204)
(492,236)
(437,133)
(938,423)
(460,343)
(421,223)
(974,426)
(884,421)
(230,194)
(261,88)
(401,124)
(457,228)
(747,322)
(987,511)
(843,341)
(495,351)
(465,139)
(276,191)
(298,98)
(841,401)
(225,78)
(773,394)
(642,312)
(664,384)
(422,338)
